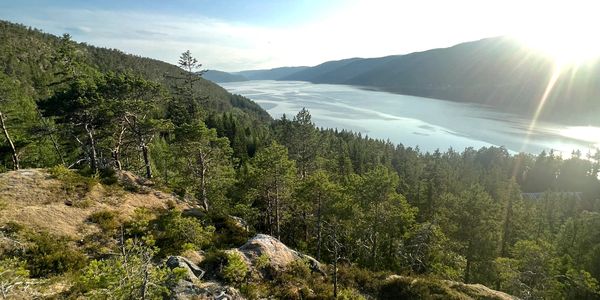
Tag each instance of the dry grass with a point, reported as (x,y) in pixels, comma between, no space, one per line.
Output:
(36,199)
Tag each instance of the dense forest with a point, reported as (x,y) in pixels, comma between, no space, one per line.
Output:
(528,225)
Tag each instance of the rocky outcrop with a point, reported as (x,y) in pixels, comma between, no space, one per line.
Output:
(280,256)
(193,272)
(190,286)
(186,290)
(405,287)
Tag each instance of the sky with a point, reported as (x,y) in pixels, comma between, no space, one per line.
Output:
(245,34)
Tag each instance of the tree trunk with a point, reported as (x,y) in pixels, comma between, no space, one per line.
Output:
(92,154)
(144,287)
(277,211)
(506,229)
(117,150)
(52,138)
(319,230)
(468,266)
(15,155)
(146,160)
(203,189)
(335,275)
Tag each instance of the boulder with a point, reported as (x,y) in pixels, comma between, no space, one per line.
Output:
(240,223)
(280,256)
(186,290)
(193,272)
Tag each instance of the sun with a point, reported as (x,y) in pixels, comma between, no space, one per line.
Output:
(565,31)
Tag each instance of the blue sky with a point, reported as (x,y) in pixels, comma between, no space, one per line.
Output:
(238,35)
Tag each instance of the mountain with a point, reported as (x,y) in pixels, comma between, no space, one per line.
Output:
(499,72)
(220,76)
(270,74)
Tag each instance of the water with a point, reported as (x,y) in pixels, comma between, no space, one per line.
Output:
(414,121)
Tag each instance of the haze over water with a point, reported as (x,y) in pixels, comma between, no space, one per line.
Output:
(412,121)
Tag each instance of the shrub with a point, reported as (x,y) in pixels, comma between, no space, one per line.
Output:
(12,276)
(51,255)
(126,275)
(350,294)
(176,233)
(105,219)
(74,185)
(235,270)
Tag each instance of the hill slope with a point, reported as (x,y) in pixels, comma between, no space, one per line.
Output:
(27,54)
(64,203)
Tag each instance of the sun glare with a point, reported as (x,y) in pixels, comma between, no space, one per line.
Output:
(565,31)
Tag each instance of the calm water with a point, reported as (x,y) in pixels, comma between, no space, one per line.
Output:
(429,123)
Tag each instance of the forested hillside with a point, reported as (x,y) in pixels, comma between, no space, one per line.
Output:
(218,76)
(384,220)
(270,74)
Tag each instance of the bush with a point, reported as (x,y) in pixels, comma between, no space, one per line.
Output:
(125,276)
(105,219)
(350,294)
(235,270)
(108,176)
(228,233)
(51,255)
(74,185)
(176,233)
(12,276)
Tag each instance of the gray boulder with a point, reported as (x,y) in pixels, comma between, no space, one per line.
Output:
(207,290)
(280,255)
(193,272)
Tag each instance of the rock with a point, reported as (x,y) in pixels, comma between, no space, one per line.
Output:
(207,290)
(395,286)
(193,272)
(280,256)
(240,223)
(195,212)
(195,256)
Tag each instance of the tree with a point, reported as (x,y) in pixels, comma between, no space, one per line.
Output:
(206,162)
(136,112)
(271,176)
(471,219)
(386,217)
(316,194)
(184,108)
(303,147)
(16,118)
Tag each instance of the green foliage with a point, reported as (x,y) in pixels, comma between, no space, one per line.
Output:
(13,274)
(456,215)
(205,165)
(131,275)
(270,180)
(350,294)
(262,261)
(236,270)
(51,255)
(107,220)
(176,232)
(75,185)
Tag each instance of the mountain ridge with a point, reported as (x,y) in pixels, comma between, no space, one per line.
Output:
(499,72)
